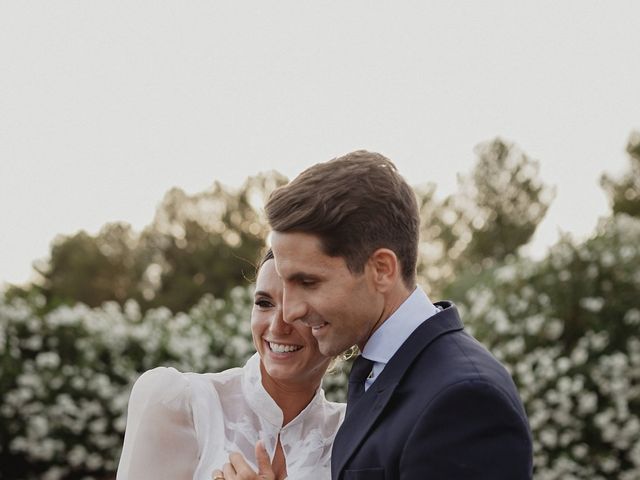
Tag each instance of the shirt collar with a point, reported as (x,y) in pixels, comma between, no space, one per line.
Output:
(388,338)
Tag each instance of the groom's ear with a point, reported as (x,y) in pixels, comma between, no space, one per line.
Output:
(385,269)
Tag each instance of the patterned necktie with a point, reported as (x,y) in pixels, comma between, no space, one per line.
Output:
(359,372)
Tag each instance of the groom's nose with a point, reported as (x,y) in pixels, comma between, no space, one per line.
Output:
(294,308)
(278,326)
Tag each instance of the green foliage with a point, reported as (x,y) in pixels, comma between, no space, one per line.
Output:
(624,194)
(496,211)
(93,270)
(207,242)
(506,202)
(197,244)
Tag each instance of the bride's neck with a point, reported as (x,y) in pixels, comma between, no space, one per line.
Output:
(291,397)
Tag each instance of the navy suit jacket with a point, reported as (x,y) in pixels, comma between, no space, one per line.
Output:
(443,408)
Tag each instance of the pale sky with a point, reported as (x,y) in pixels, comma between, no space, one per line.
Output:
(106,105)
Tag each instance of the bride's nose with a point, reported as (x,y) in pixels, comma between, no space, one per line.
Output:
(278,325)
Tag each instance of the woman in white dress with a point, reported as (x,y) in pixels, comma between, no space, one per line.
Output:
(184,426)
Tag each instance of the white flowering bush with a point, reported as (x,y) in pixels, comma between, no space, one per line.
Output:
(66,375)
(567,328)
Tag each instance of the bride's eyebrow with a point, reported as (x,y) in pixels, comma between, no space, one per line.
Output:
(262,293)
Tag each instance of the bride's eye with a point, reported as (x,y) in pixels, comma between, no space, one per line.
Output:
(263,303)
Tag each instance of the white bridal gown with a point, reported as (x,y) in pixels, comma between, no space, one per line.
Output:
(182,426)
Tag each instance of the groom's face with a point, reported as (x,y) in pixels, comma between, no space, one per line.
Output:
(341,308)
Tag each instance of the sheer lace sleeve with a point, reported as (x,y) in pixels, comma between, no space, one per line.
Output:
(160,439)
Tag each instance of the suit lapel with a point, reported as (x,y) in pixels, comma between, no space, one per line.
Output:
(364,414)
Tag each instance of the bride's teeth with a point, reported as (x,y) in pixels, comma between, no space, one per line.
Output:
(278,348)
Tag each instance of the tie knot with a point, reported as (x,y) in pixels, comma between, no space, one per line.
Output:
(360,370)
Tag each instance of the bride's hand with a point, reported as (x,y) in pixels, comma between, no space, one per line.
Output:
(239,469)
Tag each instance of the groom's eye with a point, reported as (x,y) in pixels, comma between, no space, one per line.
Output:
(307,282)
(304,281)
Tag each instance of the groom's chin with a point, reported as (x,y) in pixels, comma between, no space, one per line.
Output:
(329,348)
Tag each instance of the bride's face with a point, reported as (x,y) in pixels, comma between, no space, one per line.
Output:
(289,352)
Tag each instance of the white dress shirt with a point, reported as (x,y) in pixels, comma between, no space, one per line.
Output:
(393,332)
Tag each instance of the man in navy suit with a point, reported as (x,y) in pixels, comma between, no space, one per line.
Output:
(426,400)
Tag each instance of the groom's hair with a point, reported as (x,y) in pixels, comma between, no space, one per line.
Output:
(355,204)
